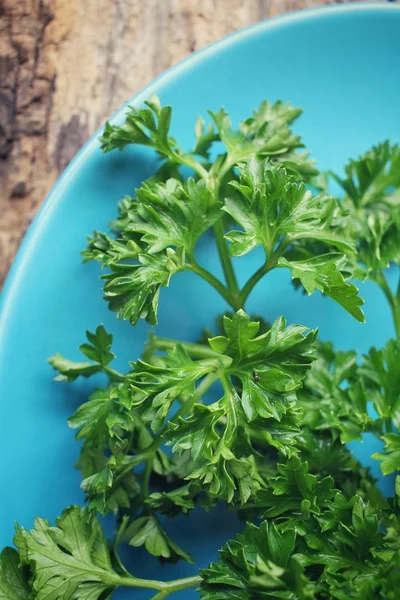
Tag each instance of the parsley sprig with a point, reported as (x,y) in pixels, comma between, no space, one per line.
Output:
(253,415)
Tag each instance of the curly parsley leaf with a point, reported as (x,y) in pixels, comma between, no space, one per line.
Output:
(381,374)
(270,368)
(157,228)
(148,127)
(205,137)
(108,250)
(272,208)
(173,503)
(106,413)
(372,202)
(98,350)
(14,579)
(328,402)
(266,133)
(372,176)
(257,565)
(325,273)
(160,385)
(379,244)
(172,214)
(69,560)
(295,489)
(107,483)
(133,290)
(147,531)
(390,459)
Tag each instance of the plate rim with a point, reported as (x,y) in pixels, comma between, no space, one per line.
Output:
(34,231)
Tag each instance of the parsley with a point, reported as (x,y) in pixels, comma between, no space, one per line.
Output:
(254,415)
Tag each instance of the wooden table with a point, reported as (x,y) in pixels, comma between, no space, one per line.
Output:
(66,65)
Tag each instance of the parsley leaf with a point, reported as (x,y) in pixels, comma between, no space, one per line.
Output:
(98,350)
(257,565)
(172,214)
(70,560)
(147,531)
(133,290)
(14,579)
(380,370)
(272,208)
(270,368)
(328,405)
(324,273)
(102,417)
(390,459)
(267,133)
(372,176)
(147,127)
(172,503)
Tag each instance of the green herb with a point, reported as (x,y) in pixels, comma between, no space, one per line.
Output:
(255,415)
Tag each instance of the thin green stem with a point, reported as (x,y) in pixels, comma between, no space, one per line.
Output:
(163,587)
(146,478)
(189,161)
(227,266)
(388,423)
(252,282)
(194,350)
(113,374)
(393,300)
(398,289)
(269,264)
(212,280)
(223,251)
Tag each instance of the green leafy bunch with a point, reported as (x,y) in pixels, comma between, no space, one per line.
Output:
(258,181)
(255,416)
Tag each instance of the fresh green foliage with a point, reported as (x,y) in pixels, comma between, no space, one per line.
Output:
(14,579)
(97,350)
(329,402)
(273,209)
(371,178)
(257,564)
(391,457)
(323,273)
(381,373)
(275,212)
(70,560)
(322,546)
(372,201)
(147,531)
(270,368)
(158,229)
(255,416)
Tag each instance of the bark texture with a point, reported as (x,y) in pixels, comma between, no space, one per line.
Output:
(66,65)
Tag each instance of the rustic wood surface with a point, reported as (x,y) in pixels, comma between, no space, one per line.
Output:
(66,65)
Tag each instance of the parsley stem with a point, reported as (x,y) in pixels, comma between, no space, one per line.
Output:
(212,280)
(146,477)
(113,374)
(194,350)
(252,282)
(392,300)
(187,405)
(227,266)
(163,587)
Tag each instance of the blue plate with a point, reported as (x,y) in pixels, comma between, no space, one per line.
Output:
(341,65)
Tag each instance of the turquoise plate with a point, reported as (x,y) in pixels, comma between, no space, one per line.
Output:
(341,64)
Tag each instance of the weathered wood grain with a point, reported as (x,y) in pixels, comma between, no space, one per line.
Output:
(65,65)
